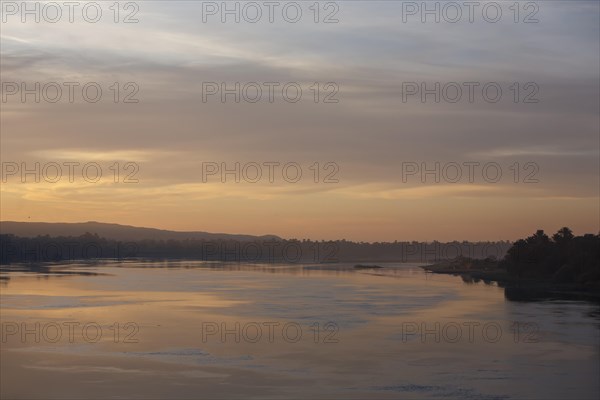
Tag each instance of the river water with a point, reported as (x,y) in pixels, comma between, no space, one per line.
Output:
(193,329)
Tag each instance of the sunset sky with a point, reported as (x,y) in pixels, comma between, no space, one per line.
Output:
(369,135)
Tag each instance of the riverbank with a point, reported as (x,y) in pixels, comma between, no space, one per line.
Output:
(472,271)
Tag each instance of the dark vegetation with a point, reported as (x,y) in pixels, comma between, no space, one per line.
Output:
(16,249)
(560,263)
(562,258)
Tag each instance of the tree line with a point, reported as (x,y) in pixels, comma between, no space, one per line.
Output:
(16,249)
(564,257)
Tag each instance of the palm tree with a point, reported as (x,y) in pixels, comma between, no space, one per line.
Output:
(563,236)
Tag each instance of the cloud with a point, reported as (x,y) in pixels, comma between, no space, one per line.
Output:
(369,133)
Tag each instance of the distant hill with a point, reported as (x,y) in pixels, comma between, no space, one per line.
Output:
(50,242)
(114,231)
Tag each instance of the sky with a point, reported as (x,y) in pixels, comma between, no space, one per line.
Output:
(380,159)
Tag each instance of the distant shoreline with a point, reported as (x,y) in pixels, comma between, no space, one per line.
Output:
(527,286)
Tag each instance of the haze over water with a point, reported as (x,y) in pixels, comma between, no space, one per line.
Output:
(370,342)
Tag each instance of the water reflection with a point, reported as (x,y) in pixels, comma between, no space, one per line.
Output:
(391,270)
(392,335)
